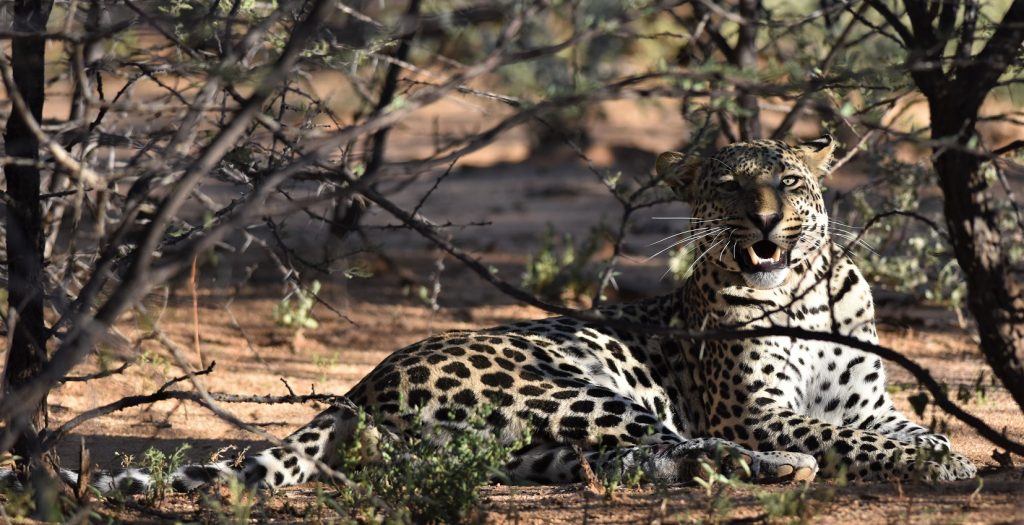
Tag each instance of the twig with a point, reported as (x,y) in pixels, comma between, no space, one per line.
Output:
(1013,146)
(195,311)
(190,375)
(51,437)
(98,375)
(590,481)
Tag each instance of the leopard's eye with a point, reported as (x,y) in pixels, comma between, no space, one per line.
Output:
(729,186)
(790,181)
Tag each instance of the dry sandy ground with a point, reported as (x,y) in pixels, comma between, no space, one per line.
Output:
(253,356)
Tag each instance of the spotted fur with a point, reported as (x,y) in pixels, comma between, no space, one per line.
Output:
(629,399)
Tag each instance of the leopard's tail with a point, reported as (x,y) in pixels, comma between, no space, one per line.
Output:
(306,454)
(141,480)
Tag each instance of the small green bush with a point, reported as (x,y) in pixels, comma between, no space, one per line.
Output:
(429,475)
(160,467)
(563,269)
(296,309)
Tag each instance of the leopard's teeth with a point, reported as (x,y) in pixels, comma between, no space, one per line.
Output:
(753,256)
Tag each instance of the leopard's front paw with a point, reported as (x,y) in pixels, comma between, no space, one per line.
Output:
(779,466)
(952,467)
(961,467)
(730,459)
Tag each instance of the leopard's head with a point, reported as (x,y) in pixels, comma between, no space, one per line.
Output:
(757,206)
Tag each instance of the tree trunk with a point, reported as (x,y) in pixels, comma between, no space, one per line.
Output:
(995,298)
(27,353)
(746,60)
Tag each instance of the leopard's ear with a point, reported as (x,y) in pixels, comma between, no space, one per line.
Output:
(679,172)
(817,154)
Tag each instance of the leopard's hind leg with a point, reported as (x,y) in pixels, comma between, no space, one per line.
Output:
(313,450)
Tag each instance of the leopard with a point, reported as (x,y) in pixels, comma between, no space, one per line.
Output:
(634,386)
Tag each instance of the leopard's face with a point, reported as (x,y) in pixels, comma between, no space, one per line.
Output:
(757,206)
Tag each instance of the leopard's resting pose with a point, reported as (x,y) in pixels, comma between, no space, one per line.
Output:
(628,399)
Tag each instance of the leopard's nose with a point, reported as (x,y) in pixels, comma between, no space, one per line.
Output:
(765,221)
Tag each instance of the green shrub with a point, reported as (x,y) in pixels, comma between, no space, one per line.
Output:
(160,467)
(429,475)
(296,309)
(562,268)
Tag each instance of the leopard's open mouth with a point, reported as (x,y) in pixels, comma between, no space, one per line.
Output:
(762,256)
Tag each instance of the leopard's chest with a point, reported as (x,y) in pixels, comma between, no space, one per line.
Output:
(784,366)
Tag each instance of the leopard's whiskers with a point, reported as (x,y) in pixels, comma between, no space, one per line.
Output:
(843,224)
(853,240)
(714,242)
(725,247)
(844,229)
(688,240)
(701,256)
(695,230)
(691,219)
